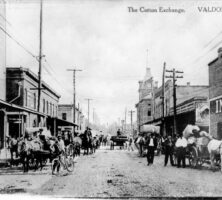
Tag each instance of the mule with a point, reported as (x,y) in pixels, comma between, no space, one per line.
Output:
(28,152)
(215,150)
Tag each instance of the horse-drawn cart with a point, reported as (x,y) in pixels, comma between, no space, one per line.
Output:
(197,151)
(117,141)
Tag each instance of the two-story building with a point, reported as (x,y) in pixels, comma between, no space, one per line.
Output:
(22,90)
(215,95)
(66,112)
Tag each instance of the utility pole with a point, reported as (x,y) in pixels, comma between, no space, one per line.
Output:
(174,77)
(40,60)
(93,115)
(131,118)
(163,100)
(74,93)
(88,109)
(78,117)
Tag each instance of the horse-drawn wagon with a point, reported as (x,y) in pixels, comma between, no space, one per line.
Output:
(201,147)
(118,141)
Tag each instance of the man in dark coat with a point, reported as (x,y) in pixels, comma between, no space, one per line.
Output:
(169,145)
(151,146)
(118,132)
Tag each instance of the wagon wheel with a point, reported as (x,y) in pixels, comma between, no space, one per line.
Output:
(193,157)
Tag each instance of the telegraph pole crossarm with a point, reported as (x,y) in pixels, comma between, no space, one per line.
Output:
(174,77)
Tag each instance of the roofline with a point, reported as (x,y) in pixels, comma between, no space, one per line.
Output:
(213,61)
(196,98)
(68,105)
(31,73)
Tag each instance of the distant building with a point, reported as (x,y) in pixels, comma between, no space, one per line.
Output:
(145,105)
(65,112)
(215,95)
(21,89)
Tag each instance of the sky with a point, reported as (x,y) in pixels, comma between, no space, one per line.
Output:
(109,44)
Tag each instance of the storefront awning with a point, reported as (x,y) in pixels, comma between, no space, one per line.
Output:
(61,122)
(19,108)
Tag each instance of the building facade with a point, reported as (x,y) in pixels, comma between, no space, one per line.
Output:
(65,112)
(21,87)
(215,95)
(191,100)
(145,105)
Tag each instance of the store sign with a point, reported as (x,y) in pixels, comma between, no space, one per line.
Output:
(202,114)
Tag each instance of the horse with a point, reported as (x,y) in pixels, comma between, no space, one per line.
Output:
(85,143)
(77,142)
(215,150)
(27,151)
(93,144)
(13,146)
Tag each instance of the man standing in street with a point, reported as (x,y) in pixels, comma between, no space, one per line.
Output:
(151,146)
(181,145)
(118,132)
(168,150)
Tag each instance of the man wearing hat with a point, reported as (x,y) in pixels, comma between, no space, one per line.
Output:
(151,146)
(61,142)
(181,145)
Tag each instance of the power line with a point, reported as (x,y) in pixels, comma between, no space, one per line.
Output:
(29,52)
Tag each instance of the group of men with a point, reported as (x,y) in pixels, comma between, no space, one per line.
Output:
(168,145)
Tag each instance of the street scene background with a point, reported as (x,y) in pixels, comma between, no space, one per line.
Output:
(110,99)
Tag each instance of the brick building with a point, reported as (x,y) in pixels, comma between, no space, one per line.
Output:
(145,105)
(21,87)
(215,95)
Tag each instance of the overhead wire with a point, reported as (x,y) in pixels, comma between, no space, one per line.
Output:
(18,43)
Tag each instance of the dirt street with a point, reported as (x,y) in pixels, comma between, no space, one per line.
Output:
(119,173)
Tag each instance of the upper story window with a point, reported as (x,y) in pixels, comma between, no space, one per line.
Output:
(47,107)
(64,116)
(149,113)
(26,98)
(34,100)
(50,108)
(43,103)
(218,106)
